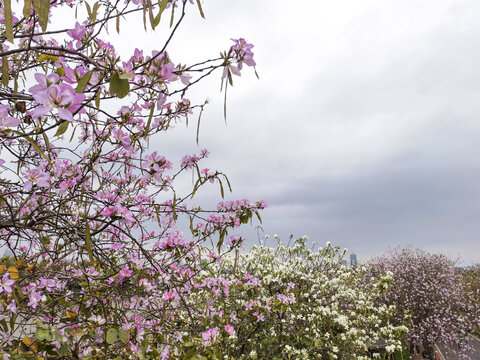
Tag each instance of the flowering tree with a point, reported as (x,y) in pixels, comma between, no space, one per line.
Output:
(471,285)
(428,293)
(97,266)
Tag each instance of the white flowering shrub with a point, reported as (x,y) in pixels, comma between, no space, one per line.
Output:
(291,303)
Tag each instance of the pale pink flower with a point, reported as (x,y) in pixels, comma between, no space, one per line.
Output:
(78,32)
(5,119)
(35,298)
(50,96)
(6,284)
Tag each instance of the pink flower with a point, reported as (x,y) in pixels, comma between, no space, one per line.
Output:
(122,138)
(109,211)
(243,51)
(12,307)
(91,271)
(210,335)
(168,295)
(125,272)
(5,120)
(47,284)
(6,284)
(51,96)
(38,177)
(78,32)
(229,329)
(35,299)
(116,246)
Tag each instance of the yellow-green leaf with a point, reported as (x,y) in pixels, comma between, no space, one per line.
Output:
(112,336)
(5,73)
(27,9)
(200,9)
(83,82)
(47,57)
(124,336)
(62,128)
(8,20)
(43,14)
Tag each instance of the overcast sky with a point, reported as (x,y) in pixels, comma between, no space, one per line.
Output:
(364,128)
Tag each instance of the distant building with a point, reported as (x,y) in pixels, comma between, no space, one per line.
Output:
(353,260)
(344,263)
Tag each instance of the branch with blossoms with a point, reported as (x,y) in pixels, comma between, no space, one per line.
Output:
(96,262)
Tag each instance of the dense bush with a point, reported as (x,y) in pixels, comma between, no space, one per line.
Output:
(295,303)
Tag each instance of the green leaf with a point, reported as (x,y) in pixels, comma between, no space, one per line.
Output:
(27,8)
(200,9)
(8,20)
(88,242)
(174,206)
(5,72)
(149,121)
(124,336)
(36,6)
(150,12)
(172,17)
(43,334)
(89,9)
(198,124)
(162,4)
(83,82)
(34,144)
(97,99)
(120,87)
(4,324)
(258,216)
(222,192)
(195,187)
(43,14)
(117,23)
(62,128)
(64,350)
(96,6)
(112,336)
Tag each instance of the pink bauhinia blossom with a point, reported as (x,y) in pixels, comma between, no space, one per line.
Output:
(78,32)
(229,329)
(35,298)
(6,284)
(5,119)
(51,96)
(38,177)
